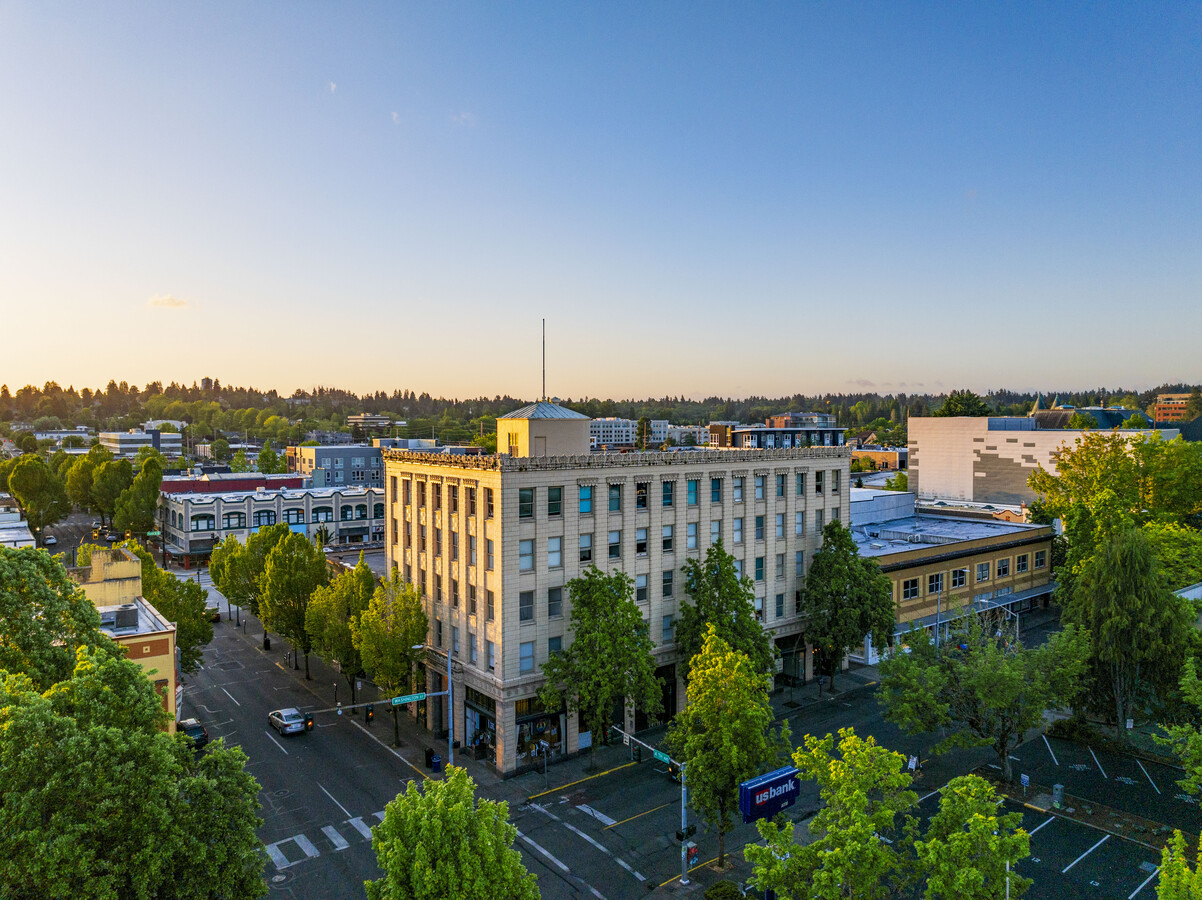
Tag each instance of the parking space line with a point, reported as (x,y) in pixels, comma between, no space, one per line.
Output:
(1155,872)
(1085,854)
(277,743)
(1040,825)
(231,696)
(339,842)
(644,813)
(331,796)
(1049,746)
(543,851)
(581,780)
(1146,775)
(1095,759)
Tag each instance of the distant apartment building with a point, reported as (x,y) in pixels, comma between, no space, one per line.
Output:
(614,432)
(337,465)
(194,523)
(491,542)
(128,443)
(1170,407)
(784,431)
(985,459)
(370,422)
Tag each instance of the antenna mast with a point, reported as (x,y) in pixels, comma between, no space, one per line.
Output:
(544,359)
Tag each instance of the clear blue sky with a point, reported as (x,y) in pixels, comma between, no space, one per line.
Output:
(700,198)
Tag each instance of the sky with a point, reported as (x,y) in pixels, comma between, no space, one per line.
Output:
(700,198)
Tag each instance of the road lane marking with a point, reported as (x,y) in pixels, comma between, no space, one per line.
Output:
(1131,896)
(1049,746)
(339,842)
(331,796)
(274,741)
(581,781)
(543,851)
(600,817)
(545,812)
(1040,825)
(1095,759)
(360,826)
(231,696)
(644,813)
(1085,854)
(625,865)
(572,828)
(1146,775)
(390,749)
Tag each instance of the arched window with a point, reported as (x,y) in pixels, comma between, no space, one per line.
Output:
(360,511)
(294,516)
(345,513)
(203,523)
(264,517)
(233,520)
(377,511)
(323,514)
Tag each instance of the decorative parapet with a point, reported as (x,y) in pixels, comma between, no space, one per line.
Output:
(504,463)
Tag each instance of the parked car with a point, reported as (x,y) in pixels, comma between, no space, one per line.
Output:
(49,540)
(193,731)
(212,611)
(286,721)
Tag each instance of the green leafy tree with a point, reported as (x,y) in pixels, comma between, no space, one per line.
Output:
(723,736)
(181,601)
(109,480)
(440,842)
(331,611)
(80,475)
(321,535)
(144,455)
(642,432)
(723,600)
(220,449)
(137,504)
(293,571)
(981,684)
(39,491)
(968,845)
(239,462)
(269,461)
(898,482)
(1193,406)
(845,598)
(1185,738)
(1178,549)
(963,403)
(609,658)
(1177,880)
(1139,630)
(237,569)
(866,795)
(1082,421)
(389,636)
(1135,420)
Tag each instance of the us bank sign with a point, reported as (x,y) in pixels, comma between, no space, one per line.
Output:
(765,796)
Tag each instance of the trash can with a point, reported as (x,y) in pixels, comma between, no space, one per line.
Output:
(436,763)
(266,642)
(1057,795)
(429,758)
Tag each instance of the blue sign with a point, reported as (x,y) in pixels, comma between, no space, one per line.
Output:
(765,796)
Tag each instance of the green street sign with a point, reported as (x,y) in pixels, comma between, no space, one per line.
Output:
(154,533)
(408,698)
(662,757)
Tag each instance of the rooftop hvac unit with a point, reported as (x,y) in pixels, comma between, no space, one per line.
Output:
(126,617)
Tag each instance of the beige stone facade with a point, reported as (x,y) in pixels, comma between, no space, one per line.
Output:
(491,542)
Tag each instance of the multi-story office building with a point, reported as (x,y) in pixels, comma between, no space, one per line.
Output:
(779,432)
(128,443)
(1170,407)
(339,465)
(194,523)
(492,542)
(370,422)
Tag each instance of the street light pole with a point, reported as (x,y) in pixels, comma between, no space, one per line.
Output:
(450,714)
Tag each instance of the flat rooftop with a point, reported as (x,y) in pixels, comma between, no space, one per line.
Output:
(149,621)
(285,493)
(914,532)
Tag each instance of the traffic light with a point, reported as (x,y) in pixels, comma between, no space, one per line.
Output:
(371,713)
(674,772)
(128,534)
(636,752)
(95,534)
(308,721)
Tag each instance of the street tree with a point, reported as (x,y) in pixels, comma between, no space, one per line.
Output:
(439,842)
(610,656)
(80,475)
(845,598)
(724,735)
(44,617)
(1082,421)
(1138,629)
(135,509)
(1185,737)
(1178,549)
(220,449)
(108,481)
(237,569)
(389,636)
(861,836)
(293,571)
(963,403)
(1177,880)
(981,684)
(269,461)
(39,491)
(239,462)
(970,851)
(331,611)
(727,603)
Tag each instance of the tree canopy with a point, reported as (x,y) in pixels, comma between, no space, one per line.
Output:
(237,569)
(293,571)
(385,635)
(963,403)
(331,611)
(40,492)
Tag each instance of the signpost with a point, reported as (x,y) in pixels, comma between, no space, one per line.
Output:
(408,698)
(661,756)
(1026,782)
(768,794)
(686,830)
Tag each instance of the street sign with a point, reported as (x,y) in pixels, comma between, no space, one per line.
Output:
(1130,724)
(1025,779)
(765,796)
(662,757)
(154,534)
(408,698)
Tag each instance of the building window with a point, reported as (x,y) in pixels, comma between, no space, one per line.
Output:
(715,490)
(471,648)
(1003,568)
(640,541)
(759,609)
(453,498)
(738,536)
(407,491)
(669,490)
(233,520)
(294,516)
(668,634)
(759,528)
(438,632)
(640,588)
(454,545)
(615,498)
(834,481)
(489,605)
(488,505)
(759,487)
(525,503)
(799,523)
(377,511)
(780,525)
(691,492)
(1041,558)
(586,499)
(738,490)
(421,494)
(780,485)
(554,501)
(392,487)
(437,491)
(323,514)
(1020,563)
(437,588)
(780,606)
(935,583)
(471,501)
(438,542)
(615,545)
(835,514)
(799,563)
(818,520)
(204,523)
(667,583)
(715,531)
(526,606)
(471,549)
(690,536)
(818,479)
(554,645)
(471,599)
(667,538)
(526,656)
(525,556)
(554,553)
(586,548)
(490,556)
(455,593)
(801,484)
(759,568)
(910,589)
(345,513)
(554,603)
(959,578)
(491,655)
(264,517)
(780,565)
(640,495)
(982,572)
(455,640)
(738,568)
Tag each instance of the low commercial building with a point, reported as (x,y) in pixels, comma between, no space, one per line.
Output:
(128,443)
(194,523)
(946,567)
(780,432)
(225,482)
(883,459)
(14,530)
(113,582)
(338,465)
(370,422)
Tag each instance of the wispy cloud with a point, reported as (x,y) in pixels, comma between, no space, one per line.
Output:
(464,118)
(333,87)
(166,301)
(863,382)
(396,118)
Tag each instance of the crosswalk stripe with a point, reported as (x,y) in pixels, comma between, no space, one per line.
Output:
(360,826)
(339,842)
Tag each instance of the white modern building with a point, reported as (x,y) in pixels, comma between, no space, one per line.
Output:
(128,443)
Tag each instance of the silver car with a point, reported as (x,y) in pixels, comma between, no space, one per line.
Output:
(287,721)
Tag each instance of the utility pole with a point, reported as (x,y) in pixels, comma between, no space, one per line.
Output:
(685,832)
